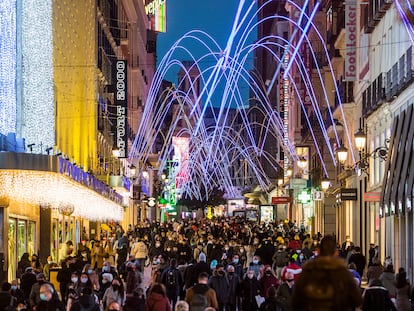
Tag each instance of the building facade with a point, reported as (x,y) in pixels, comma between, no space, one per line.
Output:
(60,121)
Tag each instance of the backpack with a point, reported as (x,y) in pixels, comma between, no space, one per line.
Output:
(171,278)
(198,302)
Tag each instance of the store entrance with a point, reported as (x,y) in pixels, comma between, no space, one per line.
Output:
(21,239)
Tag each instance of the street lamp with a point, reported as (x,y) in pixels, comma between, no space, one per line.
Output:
(360,143)
(325,184)
(342,153)
(115,152)
(360,140)
(132,170)
(302,162)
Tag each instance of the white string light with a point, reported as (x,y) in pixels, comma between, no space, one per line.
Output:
(51,190)
(7,66)
(37,73)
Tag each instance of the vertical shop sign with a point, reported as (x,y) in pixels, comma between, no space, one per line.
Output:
(351,40)
(121,100)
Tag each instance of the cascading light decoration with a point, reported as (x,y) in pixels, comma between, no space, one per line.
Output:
(7,66)
(52,190)
(37,74)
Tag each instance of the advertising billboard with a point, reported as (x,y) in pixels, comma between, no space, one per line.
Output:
(156,12)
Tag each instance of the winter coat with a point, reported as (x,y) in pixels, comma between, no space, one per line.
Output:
(249,288)
(388,281)
(377,298)
(374,272)
(140,250)
(203,289)
(157,302)
(234,283)
(86,302)
(111,296)
(221,285)
(326,284)
(271,304)
(291,267)
(403,298)
(268,281)
(53,305)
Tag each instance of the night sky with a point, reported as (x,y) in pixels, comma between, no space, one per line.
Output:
(213,16)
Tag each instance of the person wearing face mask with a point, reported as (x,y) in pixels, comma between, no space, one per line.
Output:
(84,252)
(106,282)
(268,279)
(107,269)
(234,283)
(285,291)
(84,281)
(34,298)
(93,276)
(238,267)
(249,288)
(17,293)
(114,293)
(256,266)
(220,283)
(49,300)
(72,292)
(156,249)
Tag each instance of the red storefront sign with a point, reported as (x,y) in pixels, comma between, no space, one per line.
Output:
(280,200)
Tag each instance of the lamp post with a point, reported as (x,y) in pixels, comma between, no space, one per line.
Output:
(360,143)
(362,166)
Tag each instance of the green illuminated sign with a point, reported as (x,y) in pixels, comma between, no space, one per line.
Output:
(304,197)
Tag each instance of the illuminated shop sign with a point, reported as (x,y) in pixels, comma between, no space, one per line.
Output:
(121,100)
(79,175)
(350,40)
(156,12)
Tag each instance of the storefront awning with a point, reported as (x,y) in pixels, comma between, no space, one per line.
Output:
(56,191)
(51,182)
(397,187)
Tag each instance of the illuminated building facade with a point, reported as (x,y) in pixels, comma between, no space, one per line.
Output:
(58,122)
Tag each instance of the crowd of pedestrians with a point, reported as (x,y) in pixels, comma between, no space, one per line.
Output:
(225,264)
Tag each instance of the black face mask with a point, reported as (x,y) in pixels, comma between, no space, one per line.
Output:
(231,273)
(115,287)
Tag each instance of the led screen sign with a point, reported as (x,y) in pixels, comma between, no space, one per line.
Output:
(156,12)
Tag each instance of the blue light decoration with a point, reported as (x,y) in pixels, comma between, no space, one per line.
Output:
(221,155)
(7,66)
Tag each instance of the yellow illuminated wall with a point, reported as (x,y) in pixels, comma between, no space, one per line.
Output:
(74,75)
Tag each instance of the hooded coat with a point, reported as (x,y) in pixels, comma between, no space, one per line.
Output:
(157,302)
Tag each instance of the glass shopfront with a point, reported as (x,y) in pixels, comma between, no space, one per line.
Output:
(22,239)
(64,228)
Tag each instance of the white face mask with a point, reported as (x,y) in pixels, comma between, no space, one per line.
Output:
(74,280)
